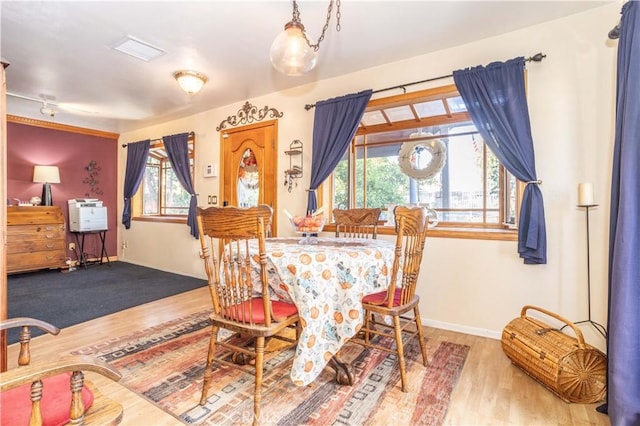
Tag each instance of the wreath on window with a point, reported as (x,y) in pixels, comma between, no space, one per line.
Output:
(422,159)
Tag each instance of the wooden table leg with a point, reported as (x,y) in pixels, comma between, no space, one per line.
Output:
(344,373)
(241,358)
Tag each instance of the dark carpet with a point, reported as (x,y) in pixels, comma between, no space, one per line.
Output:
(68,298)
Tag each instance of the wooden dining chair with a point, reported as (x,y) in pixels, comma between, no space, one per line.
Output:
(356,223)
(400,297)
(240,302)
(53,392)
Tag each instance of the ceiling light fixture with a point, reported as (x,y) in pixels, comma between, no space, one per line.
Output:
(51,107)
(190,81)
(45,110)
(291,52)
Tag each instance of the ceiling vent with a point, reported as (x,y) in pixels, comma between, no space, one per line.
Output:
(139,49)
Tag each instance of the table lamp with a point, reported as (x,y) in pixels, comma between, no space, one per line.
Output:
(46,175)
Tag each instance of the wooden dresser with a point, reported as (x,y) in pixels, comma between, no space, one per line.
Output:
(35,238)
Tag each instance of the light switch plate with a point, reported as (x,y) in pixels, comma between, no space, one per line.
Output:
(211,170)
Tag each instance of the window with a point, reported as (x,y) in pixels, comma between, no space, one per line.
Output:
(161,194)
(473,190)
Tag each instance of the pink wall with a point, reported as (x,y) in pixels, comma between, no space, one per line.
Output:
(72,153)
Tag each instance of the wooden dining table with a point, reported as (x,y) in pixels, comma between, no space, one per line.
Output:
(326,280)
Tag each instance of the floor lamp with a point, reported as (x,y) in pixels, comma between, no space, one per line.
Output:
(585,199)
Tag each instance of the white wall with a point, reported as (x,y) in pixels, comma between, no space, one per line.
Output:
(466,285)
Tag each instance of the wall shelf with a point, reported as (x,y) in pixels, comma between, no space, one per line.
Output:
(294,172)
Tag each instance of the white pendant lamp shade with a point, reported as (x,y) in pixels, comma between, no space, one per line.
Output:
(190,81)
(290,52)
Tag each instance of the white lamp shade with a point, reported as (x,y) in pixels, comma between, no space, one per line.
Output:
(46,174)
(585,194)
(291,54)
(190,81)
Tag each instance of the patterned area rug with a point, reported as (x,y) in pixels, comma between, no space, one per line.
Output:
(165,364)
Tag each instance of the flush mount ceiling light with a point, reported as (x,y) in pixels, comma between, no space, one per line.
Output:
(190,81)
(291,52)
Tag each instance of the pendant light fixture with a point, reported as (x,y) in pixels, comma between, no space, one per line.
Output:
(291,52)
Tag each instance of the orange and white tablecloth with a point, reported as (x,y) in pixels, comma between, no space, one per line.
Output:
(326,281)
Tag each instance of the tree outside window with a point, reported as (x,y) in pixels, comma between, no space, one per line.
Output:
(161,194)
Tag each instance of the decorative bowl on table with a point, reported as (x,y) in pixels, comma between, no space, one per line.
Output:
(308,225)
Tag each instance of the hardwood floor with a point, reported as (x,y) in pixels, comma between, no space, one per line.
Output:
(490,390)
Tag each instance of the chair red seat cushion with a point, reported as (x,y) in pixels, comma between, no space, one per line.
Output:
(55,403)
(241,311)
(380,298)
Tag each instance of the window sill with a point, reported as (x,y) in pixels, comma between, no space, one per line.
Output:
(163,219)
(495,234)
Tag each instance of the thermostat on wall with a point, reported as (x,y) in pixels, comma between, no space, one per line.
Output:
(210,170)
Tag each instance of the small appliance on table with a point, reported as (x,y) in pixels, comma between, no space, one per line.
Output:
(88,216)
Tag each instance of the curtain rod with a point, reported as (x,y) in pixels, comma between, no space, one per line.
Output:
(538,57)
(614,34)
(191,135)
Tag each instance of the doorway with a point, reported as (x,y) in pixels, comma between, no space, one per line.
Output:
(249,165)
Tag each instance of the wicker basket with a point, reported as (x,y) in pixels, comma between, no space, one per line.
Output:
(566,365)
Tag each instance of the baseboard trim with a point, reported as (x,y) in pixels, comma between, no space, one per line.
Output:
(463,329)
(166,270)
(93,260)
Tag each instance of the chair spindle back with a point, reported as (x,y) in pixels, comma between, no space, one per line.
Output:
(411,227)
(357,223)
(226,234)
